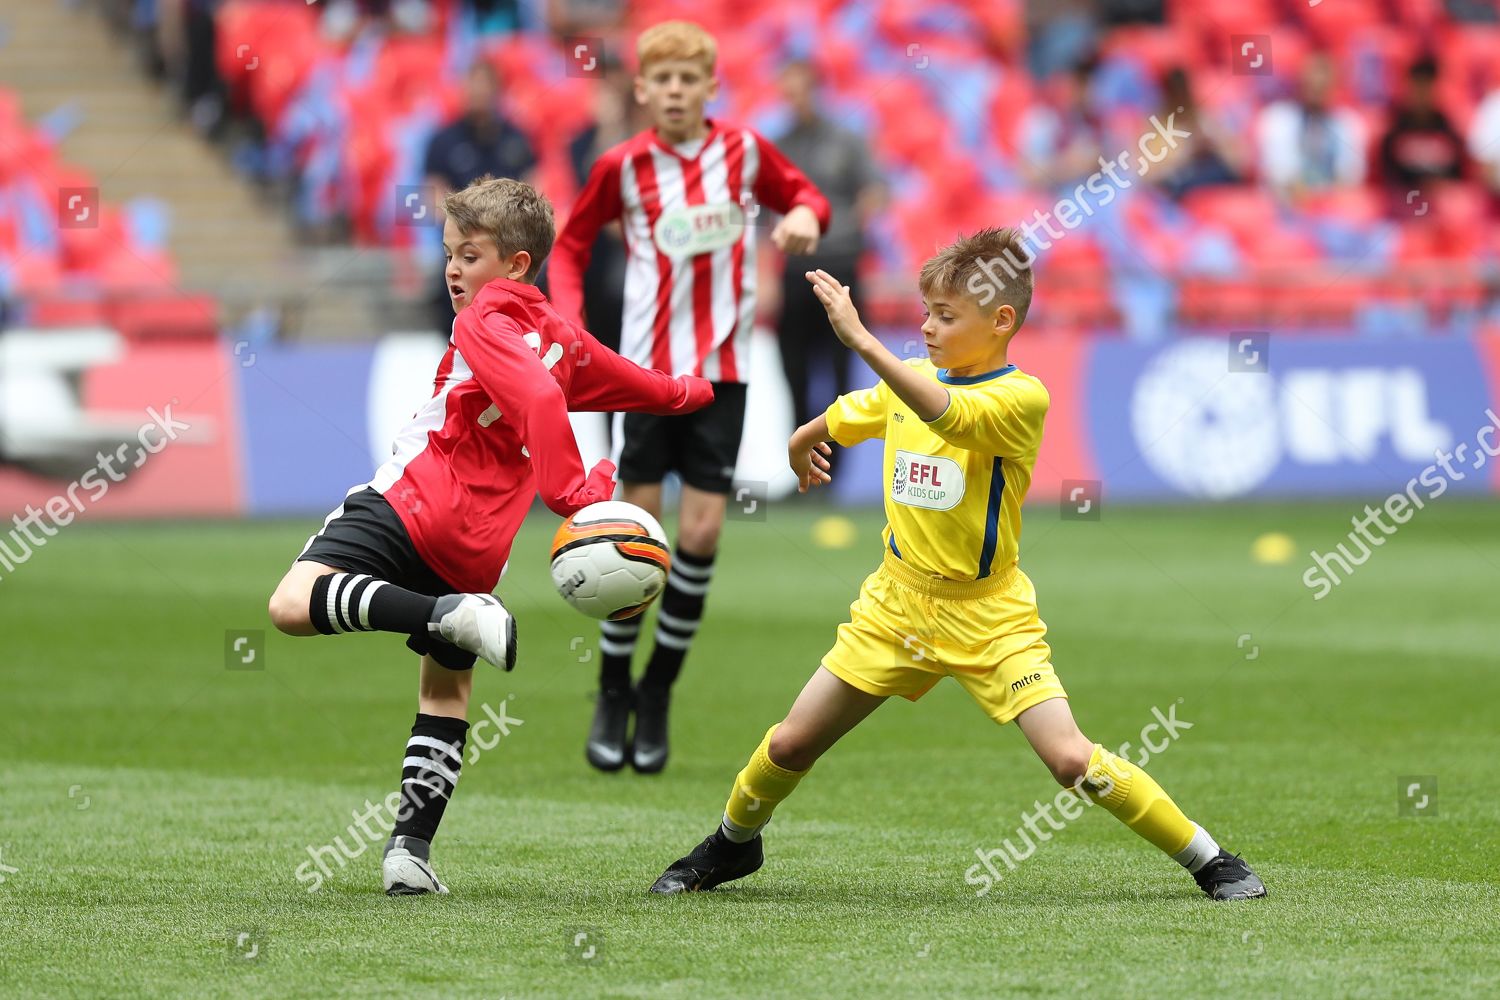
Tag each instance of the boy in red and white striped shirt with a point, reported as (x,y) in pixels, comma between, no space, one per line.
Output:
(686,193)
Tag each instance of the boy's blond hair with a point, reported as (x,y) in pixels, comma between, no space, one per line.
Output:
(676,40)
(512,213)
(993,266)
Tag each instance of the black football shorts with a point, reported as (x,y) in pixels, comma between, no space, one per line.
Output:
(364,535)
(702,447)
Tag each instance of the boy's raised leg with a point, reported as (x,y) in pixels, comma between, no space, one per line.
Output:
(826,709)
(1133,797)
(314,599)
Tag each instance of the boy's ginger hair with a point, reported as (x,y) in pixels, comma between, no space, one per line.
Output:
(993,266)
(512,213)
(676,40)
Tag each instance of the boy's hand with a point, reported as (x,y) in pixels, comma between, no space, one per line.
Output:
(842,315)
(699,393)
(809,462)
(599,484)
(797,232)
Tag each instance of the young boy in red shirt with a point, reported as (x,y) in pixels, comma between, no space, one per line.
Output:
(418,549)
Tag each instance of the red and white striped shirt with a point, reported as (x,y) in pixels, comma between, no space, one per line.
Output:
(690,254)
(495,433)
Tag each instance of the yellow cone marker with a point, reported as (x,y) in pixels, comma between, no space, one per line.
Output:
(1273,549)
(834,532)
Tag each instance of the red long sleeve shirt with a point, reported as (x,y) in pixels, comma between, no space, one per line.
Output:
(495,432)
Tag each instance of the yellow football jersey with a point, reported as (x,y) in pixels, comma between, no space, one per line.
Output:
(953,486)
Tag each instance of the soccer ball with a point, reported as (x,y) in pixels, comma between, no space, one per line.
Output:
(610,560)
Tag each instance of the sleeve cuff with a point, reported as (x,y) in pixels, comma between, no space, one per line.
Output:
(835,424)
(824,217)
(944,420)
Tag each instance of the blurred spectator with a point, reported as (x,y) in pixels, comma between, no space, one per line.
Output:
(481,141)
(1420,145)
(840,163)
(1060,34)
(616,118)
(1307,144)
(495,17)
(1061,139)
(1215,154)
(1473,11)
(1484,145)
(1114,13)
(582,19)
(182,37)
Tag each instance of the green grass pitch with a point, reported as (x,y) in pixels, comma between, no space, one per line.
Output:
(155,805)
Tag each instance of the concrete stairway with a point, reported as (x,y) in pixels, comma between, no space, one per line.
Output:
(227,238)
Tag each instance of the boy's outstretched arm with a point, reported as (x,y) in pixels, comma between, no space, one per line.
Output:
(851,418)
(928,399)
(526,395)
(603,381)
(1007,424)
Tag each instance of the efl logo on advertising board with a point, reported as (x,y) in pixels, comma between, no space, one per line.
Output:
(1327,416)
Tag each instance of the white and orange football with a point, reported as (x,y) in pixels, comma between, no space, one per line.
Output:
(610,560)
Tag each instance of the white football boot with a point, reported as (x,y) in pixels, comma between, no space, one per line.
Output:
(406,870)
(478,624)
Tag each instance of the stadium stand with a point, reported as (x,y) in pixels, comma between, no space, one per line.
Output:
(162,239)
(945,94)
(973,110)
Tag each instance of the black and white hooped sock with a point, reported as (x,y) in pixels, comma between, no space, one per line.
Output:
(677,620)
(429,773)
(356,602)
(616,650)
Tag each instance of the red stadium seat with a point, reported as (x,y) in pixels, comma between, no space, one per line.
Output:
(1242,210)
(1156,49)
(1358,205)
(35,274)
(406,71)
(92,252)
(175,316)
(1331,24)
(135,271)
(1472,53)
(262,49)
(65,312)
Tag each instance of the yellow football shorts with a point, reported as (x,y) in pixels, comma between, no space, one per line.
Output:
(906,631)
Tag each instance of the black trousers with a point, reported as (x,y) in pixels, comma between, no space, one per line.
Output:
(806,338)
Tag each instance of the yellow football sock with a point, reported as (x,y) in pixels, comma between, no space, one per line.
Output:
(1135,799)
(757,790)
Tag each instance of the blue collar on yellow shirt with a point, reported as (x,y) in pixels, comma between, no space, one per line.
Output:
(943,376)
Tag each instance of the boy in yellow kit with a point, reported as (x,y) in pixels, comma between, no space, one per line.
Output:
(961,436)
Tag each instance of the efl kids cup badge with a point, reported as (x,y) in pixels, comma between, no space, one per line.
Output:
(929,481)
(696,229)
